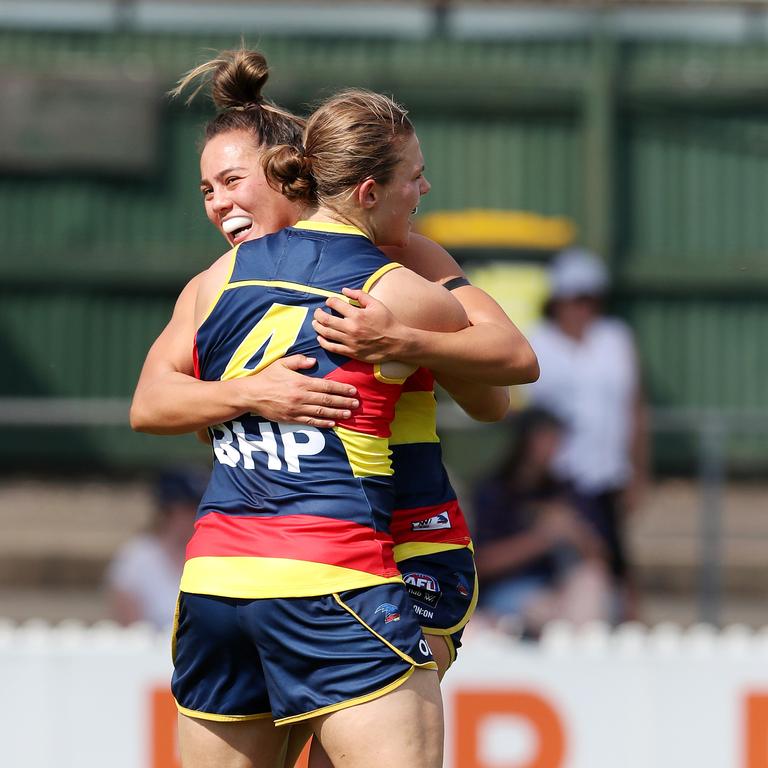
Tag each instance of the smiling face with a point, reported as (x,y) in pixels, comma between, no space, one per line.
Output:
(238,201)
(396,203)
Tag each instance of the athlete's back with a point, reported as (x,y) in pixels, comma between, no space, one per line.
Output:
(313,505)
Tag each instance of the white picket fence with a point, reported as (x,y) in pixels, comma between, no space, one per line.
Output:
(73,696)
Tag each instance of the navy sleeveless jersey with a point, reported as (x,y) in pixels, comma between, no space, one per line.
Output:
(292,510)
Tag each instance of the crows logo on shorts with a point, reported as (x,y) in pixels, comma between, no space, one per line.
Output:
(461,585)
(391,612)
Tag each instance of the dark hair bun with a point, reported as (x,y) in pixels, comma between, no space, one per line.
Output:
(238,78)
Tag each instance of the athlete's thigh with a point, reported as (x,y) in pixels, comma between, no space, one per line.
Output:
(245,744)
(401,728)
(318,757)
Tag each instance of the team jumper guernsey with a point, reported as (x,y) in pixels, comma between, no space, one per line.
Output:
(427,517)
(293,510)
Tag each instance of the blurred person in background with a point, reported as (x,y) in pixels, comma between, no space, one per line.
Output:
(537,559)
(590,379)
(143,578)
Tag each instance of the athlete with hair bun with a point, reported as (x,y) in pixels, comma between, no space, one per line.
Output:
(432,543)
(291,606)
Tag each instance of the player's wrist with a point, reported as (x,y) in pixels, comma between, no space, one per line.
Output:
(409,346)
(239,395)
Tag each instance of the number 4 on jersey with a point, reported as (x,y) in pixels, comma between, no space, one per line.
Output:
(275,333)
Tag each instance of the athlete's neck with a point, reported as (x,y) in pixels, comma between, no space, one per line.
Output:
(328,215)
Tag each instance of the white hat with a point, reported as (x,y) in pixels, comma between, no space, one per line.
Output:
(577,272)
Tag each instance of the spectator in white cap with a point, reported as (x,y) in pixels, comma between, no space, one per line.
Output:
(590,379)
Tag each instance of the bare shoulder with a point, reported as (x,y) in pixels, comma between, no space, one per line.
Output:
(182,322)
(185,303)
(419,303)
(427,258)
(210,284)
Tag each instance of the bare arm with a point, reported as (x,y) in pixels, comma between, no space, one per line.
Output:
(417,303)
(169,400)
(469,363)
(510,552)
(483,402)
(493,342)
(556,524)
(400,297)
(371,324)
(491,350)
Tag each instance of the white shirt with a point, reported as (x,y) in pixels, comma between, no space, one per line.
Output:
(143,569)
(591,385)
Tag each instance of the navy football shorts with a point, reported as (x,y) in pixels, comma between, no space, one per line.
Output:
(443,590)
(290,659)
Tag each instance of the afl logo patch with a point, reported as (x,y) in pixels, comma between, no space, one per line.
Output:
(422,581)
(422,588)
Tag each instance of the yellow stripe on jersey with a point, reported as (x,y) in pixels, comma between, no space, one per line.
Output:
(298,287)
(334,227)
(368,455)
(414,419)
(379,273)
(276,332)
(224,287)
(257,577)
(420,548)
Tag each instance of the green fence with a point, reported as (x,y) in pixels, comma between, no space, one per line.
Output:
(658,151)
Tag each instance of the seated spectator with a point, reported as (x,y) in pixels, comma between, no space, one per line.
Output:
(143,578)
(537,559)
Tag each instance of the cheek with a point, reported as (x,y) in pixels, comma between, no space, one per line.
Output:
(256,193)
(408,198)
